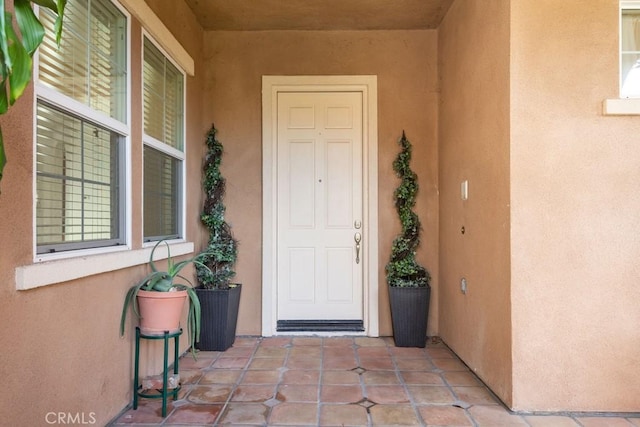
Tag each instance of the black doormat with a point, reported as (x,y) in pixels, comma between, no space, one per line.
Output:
(320,326)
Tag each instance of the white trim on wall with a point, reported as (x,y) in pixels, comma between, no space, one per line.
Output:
(89,262)
(621,107)
(368,85)
(150,21)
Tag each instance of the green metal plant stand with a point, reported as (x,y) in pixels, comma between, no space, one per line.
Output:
(165,392)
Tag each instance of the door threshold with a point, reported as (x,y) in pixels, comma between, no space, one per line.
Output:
(320,326)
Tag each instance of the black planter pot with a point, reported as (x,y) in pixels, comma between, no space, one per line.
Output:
(219,317)
(409,314)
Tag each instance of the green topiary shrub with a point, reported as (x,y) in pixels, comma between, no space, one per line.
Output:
(403,269)
(222,249)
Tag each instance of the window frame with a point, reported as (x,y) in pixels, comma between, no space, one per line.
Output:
(622,106)
(624,5)
(164,148)
(67,266)
(121,177)
(68,105)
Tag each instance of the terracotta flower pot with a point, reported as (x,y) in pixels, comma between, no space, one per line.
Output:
(160,311)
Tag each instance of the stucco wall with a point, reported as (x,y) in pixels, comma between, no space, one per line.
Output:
(474,146)
(550,249)
(61,351)
(575,204)
(405,63)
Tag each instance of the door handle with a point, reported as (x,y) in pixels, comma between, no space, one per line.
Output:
(357,237)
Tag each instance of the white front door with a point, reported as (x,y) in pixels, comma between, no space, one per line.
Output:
(319,210)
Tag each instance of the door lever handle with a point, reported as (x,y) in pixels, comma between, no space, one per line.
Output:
(357,237)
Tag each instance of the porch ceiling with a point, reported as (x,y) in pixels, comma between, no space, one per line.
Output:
(255,15)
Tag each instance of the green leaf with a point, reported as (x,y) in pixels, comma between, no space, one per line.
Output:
(5,21)
(31,29)
(3,157)
(163,285)
(58,7)
(195,314)
(179,276)
(58,25)
(152,263)
(129,300)
(21,73)
(4,100)
(49,4)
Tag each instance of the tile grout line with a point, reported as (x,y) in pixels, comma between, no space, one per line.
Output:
(239,380)
(320,380)
(209,369)
(400,378)
(441,372)
(192,386)
(363,387)
(289,346)
(448,375)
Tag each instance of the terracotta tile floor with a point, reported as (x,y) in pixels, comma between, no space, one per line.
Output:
(345,381)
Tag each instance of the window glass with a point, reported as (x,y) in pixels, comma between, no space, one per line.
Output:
(163,98)
(161,195)
(82,97)
(78,182)
(163,101)
(90,65)
(630,54)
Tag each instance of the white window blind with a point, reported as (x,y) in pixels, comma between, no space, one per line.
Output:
(630,50)
(163,98)
(163,103)
(82,98)
(78,183)
(161,195)
(90,65)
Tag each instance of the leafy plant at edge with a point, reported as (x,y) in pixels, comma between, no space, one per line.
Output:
(17,49)
(163,281)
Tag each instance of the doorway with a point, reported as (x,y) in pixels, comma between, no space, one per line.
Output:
(319,205)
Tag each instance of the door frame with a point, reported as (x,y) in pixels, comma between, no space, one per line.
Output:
(368,86)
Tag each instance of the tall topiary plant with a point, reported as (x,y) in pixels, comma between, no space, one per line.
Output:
(403,270)
(222,249)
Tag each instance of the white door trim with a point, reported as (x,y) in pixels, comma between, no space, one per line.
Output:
(368,85)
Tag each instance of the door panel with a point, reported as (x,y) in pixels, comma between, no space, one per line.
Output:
(301,190)
(319,198)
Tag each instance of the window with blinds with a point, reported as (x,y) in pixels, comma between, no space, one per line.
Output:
(90,65)
(78,183)
(162,187)
(163,98)
(163,106)
(630,49)
(81,129)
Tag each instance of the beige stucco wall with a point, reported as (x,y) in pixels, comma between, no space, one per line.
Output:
(574,211)
(405,63)
(550,251)
(61,351)
(474,146)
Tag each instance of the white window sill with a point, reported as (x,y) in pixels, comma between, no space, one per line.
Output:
(62,270)
(621,107)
